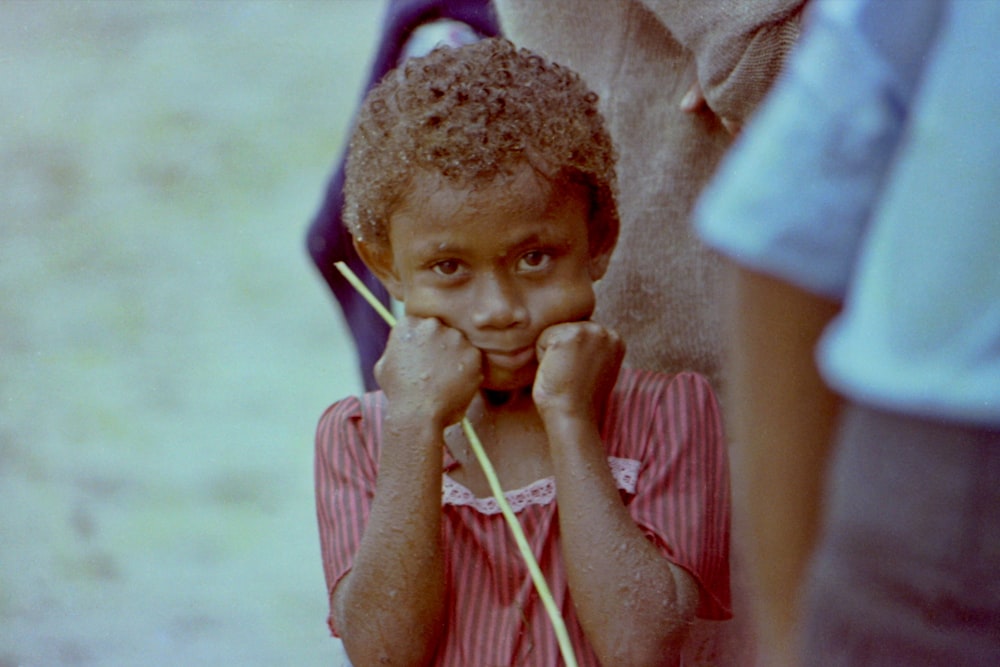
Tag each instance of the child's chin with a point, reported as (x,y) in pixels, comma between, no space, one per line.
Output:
(507,381)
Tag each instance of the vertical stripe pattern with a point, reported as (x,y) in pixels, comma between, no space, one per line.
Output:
(670,424)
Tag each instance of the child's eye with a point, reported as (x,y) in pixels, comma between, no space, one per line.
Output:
(447,268)
(534,260)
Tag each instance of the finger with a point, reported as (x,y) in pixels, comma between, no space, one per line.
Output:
(694,99)
(543,341)
(552,336)
(732,126)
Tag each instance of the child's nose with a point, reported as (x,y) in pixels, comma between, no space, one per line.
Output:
(498,303)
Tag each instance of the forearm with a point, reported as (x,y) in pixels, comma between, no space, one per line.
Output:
(782,418)
(390,607)
(614,571)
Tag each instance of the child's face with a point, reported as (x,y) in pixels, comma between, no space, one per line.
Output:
(500,263)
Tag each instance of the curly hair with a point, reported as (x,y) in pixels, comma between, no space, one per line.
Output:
(470,114)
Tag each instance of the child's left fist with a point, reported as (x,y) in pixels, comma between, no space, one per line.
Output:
(578,364)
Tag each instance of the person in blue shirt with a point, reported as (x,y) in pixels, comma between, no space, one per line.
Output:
(859,211)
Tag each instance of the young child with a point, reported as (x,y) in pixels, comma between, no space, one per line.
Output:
(480,191)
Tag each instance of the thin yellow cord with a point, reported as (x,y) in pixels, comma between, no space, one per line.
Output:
(565,647)
(365,292)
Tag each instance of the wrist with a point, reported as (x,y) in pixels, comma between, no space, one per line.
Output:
(415,422)
(410,441)
(566,414)
(569,426)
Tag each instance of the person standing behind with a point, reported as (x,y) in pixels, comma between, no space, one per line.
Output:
(860,211)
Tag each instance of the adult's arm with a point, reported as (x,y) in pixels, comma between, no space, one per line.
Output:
(781,417)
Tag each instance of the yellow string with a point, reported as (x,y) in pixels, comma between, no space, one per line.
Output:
(565,647)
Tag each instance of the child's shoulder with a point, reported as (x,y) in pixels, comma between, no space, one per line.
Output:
(350,430)
(364,409)
(651,412)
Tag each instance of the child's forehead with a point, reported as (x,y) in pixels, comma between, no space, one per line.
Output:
(520,189)
(440,211)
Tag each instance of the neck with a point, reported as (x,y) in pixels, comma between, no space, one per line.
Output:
(513,437)
(507,400)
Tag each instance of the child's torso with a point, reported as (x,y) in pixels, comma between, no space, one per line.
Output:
(516,445)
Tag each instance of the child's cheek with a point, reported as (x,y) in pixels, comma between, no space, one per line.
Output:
(572,302)
(423,302)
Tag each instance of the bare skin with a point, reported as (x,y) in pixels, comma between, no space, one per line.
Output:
(783,417)
(498,288)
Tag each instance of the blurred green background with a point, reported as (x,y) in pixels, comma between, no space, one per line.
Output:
(165,345)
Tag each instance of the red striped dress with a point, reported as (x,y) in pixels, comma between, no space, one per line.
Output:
(665,448)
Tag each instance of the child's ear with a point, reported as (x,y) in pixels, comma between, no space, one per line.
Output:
(379,261)
(600,257)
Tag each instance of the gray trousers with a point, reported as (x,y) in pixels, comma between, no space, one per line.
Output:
(908,567)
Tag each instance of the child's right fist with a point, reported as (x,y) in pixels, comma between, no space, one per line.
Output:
(429,371)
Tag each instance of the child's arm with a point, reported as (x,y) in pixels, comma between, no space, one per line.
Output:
(389,608)
(633,604)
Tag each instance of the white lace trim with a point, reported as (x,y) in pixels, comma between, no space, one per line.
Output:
(542,492)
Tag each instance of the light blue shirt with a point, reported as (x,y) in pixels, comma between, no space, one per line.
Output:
(872,176)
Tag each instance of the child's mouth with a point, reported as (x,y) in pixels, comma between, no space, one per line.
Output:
(510,359)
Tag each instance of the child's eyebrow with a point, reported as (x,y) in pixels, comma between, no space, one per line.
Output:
(544,239)
(436,247)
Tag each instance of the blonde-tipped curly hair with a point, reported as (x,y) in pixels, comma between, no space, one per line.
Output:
(470,114)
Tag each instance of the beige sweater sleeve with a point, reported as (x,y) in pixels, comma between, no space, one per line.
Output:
(739,46)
